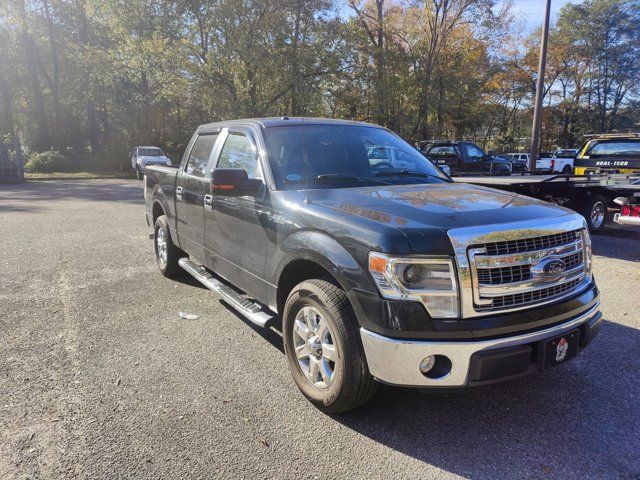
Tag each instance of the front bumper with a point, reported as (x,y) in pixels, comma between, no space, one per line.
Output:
(397,361)
(626,220)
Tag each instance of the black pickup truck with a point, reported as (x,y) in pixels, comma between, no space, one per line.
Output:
(375,271)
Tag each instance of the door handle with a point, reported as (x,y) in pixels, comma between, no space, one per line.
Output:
(178,193)
(208,202)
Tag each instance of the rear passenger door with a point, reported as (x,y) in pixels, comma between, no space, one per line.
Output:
(192,185)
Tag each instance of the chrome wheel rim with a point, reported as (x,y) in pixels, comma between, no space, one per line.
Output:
(597,214)
(314,347)
(161,247)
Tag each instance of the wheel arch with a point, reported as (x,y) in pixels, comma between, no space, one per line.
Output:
(314,254)
(157,210)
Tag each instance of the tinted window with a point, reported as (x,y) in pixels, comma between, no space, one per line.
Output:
(360,154)
(150,152)
(199,155)
(473,152)
(443,151)
(239,152)
(616,148)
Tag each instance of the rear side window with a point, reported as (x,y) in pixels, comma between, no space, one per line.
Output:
(443,151)
(199,155)
(239,152)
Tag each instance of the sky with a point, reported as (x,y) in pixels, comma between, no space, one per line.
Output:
(532,11)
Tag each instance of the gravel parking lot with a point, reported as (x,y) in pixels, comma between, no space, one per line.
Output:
(100,377)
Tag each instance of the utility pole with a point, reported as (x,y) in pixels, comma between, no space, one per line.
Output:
(537,108)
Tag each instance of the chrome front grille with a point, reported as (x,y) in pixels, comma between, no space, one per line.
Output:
(531,244)
(514,266)
(526,298)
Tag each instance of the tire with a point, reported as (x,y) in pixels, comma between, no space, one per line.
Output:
(567,170)
(595,212)
(139,174)
(325,305)
(167,254)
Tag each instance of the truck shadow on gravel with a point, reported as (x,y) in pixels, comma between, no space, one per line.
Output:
(579,419)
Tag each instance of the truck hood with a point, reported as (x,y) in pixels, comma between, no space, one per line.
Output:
(425,211)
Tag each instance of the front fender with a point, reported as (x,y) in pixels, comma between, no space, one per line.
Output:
(327,252)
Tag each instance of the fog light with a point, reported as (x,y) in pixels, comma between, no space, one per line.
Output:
(427,363)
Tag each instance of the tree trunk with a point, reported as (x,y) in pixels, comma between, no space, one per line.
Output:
(93,132)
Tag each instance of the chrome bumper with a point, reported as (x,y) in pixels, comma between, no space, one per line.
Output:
(397,362)
(626,220)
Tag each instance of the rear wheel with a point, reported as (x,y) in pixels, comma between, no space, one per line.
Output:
(322,345)
(167,254)
(595,212)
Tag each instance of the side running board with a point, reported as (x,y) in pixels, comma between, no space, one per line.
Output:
(253,310)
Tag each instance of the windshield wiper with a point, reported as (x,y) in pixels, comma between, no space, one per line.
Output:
(333,177)
(328,177)
(406,173)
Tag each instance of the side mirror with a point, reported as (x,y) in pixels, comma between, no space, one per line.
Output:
(233,182)
(491,153)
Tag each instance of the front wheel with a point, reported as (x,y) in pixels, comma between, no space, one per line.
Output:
(595,211)
(322,345)
(567,169)
(139,173)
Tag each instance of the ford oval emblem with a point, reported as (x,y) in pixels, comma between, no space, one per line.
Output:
(551,267)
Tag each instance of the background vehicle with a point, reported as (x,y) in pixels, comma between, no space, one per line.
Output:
(143,156)
(378,268)
(519,161)
(609,153)
(520,157)
(543,163)
(562,160)
(465,158)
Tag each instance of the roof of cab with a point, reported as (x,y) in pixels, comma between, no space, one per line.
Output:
(282,121)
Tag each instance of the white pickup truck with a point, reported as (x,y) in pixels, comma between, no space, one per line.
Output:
(560,161)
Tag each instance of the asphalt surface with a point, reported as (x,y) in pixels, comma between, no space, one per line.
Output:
(101,378)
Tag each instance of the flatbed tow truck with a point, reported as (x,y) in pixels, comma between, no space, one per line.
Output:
(597,197)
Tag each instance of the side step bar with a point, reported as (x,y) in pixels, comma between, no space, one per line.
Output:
(254,311)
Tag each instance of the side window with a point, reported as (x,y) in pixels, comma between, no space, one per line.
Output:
(473,152)
(239,152)
(443,151)
(377,154)
(199,155)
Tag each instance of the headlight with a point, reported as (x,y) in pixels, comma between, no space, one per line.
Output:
(431,281)
(587,251)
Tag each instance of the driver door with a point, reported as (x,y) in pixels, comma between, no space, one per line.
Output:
(474,159)
(235,227)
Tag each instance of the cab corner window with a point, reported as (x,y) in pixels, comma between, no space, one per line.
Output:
(199,155)
(239,152)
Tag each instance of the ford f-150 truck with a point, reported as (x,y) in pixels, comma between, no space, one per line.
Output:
(374,271)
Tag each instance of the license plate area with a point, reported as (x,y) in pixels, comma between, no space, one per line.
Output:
(559,349)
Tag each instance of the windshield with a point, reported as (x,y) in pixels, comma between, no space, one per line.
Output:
(614,148)
(330,156)
(150,152)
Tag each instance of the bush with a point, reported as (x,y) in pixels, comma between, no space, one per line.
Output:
(48,162)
